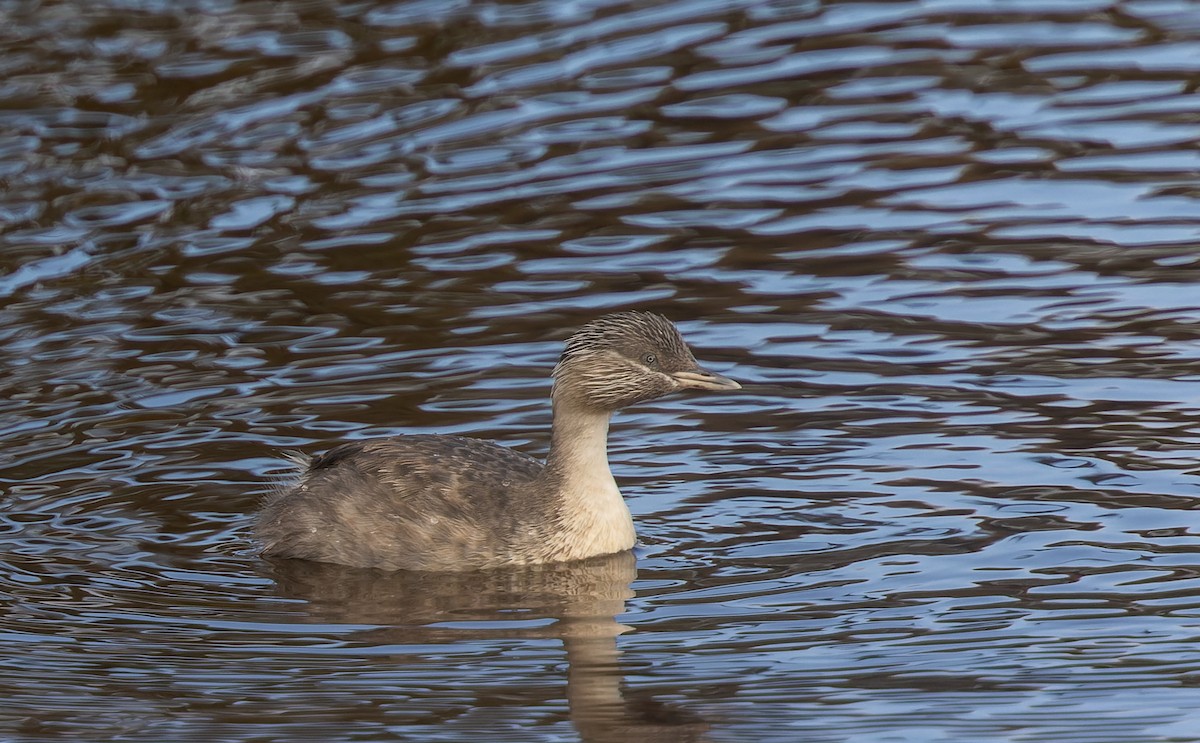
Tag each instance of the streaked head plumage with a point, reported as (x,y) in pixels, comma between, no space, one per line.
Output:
(628,357)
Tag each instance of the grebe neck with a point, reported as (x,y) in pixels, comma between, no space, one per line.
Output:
(593,517)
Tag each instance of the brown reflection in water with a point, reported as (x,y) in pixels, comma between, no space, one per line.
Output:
(583,599)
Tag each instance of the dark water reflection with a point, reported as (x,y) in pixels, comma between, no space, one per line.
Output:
(948,246)
(404,616)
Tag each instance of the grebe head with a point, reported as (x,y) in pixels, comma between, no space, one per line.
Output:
(625,358)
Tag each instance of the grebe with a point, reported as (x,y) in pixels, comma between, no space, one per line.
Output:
(448,503)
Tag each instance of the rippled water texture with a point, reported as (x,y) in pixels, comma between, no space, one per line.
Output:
(949,247)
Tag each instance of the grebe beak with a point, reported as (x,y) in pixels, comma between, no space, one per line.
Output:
(703,379)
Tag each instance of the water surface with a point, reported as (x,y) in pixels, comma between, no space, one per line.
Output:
(948,247)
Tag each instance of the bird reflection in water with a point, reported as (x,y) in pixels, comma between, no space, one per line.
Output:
(582,598)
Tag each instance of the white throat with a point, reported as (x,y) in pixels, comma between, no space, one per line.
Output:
(595,519)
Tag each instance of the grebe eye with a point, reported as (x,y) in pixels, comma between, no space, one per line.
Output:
(650,359)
